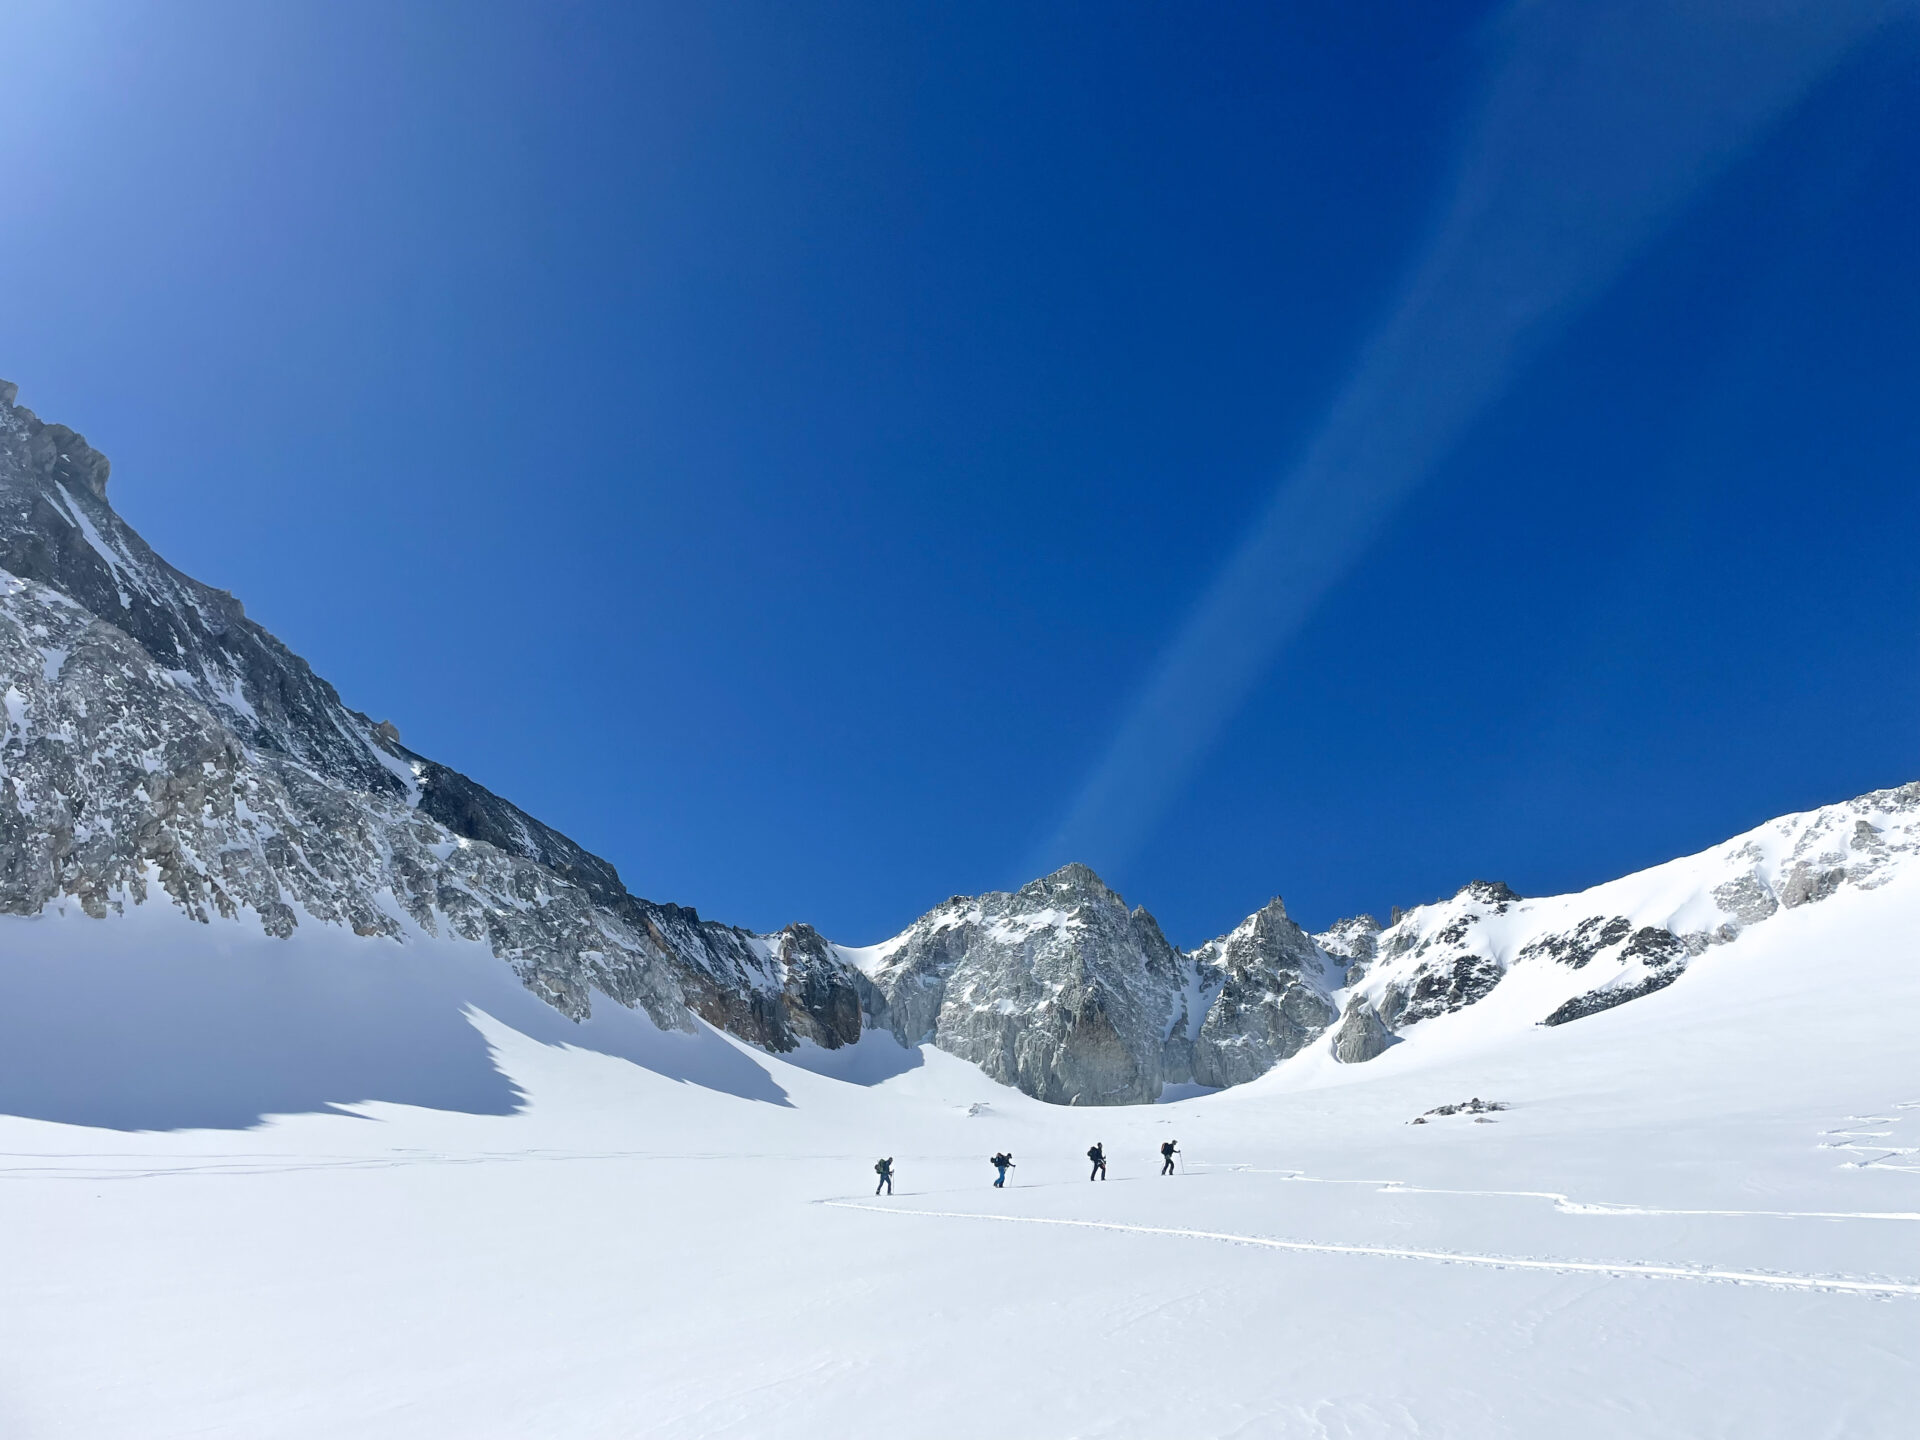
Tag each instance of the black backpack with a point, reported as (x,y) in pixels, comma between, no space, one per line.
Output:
(1095,1155)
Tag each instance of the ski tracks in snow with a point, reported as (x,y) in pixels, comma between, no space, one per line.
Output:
(1766,1278)
(1844,1138)
(1878,1157)
(1568,1205)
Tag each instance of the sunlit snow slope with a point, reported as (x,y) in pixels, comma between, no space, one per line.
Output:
(1700,1216)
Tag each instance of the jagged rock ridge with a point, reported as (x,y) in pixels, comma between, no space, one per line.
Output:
(1062,990)
(159,743)
(158,739)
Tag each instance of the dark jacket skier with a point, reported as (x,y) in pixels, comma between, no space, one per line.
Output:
(884,1169)
(1002,1162)
(1167,1152)
(1098,1155)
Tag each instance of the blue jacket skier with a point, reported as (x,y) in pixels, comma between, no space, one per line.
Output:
(1167,1152)
(1002,1162)
(1098,1155)
(884,1169)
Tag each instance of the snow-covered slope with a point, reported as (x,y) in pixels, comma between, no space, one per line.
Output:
(1560,959)
(1696,1217)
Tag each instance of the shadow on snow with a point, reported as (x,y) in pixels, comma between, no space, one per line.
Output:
(150,1021)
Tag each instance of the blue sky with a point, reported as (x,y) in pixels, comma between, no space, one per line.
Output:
(785,447)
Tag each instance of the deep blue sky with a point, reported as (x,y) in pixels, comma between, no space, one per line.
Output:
(777,444)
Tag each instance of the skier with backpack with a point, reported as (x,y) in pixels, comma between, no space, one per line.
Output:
(1167,1152)
(1098,1155)
(884,1169)
(1002,1162)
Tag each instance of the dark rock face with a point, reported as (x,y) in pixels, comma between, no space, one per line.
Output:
(1440,955)
(1476,1106)
(1594,1001)
(824,999)
(1656,949)
(1578,947)
(1446,983)
(1454,967)
(1655,958)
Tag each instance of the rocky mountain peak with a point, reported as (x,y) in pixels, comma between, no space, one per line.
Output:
(1487,892)
(800,940)
(1271,915)
(1274,910)
(1071,882)
(1267,940)
(1268,984)
(60,454)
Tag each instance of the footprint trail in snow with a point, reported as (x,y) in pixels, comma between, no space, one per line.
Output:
(1775,1280)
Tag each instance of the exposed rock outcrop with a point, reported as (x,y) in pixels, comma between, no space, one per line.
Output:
(1450,961)
(824,999)
(1058,988)
(1362,1035)
(1063,990)
(1269,984)
(1651,960)
(1354,942)
(1577,949)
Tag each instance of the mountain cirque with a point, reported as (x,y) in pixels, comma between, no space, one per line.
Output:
(160,746)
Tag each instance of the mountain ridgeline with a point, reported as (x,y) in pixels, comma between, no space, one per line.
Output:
(160,747)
